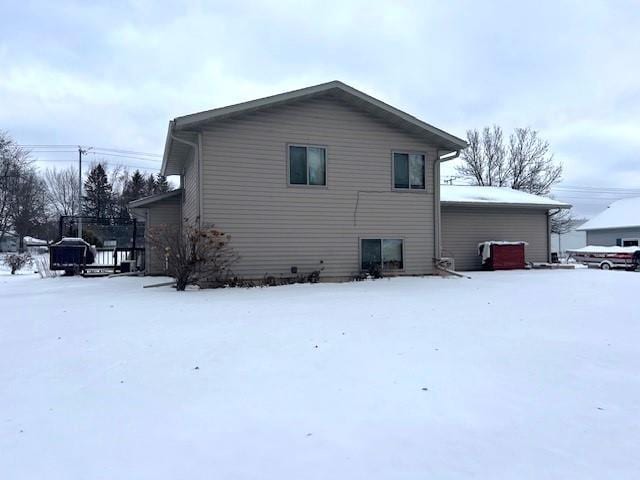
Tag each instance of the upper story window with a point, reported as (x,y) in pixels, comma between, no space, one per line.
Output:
(307,165)
(408,171)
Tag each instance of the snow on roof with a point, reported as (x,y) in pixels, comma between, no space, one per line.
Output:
(35,241)
(623,213)
(472,194)
(601,249)
(154,198)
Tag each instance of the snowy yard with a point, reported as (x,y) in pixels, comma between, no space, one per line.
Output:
(519,375)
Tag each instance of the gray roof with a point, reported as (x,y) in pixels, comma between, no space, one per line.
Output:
(184,126)
(146,201)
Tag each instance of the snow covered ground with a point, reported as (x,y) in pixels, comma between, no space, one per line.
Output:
(519,375)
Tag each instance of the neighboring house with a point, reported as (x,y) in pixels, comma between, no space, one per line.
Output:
(327,178)
(618,225)
(9,242)
(35,245)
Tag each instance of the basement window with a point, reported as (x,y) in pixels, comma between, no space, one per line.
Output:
(307,165)
(408,171)
(387,254)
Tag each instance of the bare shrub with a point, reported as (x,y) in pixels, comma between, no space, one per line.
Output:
(196,255)
(16,261)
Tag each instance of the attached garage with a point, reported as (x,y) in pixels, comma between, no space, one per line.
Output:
(471,215)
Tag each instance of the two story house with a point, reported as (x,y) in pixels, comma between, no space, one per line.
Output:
(323,177)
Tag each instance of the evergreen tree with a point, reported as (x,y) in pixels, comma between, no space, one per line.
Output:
(162,185)
(134,188)
(151,185)
(98,197)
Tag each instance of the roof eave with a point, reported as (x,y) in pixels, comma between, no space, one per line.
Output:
(167,148)
(616,227)
(196,119)
(146,201)
(538,206)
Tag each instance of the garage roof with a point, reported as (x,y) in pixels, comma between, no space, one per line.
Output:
(471,195)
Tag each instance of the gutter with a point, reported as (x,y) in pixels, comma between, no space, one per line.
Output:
(531,206)
(167,147)
(436,200)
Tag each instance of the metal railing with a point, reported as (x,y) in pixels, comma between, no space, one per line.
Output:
(113,257)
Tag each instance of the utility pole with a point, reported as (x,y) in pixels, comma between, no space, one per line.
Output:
(80,152)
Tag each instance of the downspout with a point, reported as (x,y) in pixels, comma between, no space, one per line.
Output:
(200,180)
(549,237)
(196,149)
(436,202)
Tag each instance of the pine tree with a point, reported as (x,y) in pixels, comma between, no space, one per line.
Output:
(151,185)
(98,197)
(135,187)
(162,185)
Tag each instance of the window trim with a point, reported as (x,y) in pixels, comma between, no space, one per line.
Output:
(288,166)
(393,172)
(622,240)
(391,270)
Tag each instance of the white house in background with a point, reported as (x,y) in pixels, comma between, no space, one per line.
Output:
(35,245)
(9,242)
(618,225)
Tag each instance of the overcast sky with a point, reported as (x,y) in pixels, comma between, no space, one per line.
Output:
(112,75)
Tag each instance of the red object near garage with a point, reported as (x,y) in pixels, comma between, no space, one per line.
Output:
(502,255)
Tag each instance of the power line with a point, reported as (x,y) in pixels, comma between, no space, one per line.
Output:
(598,189)
(41,145)
(131,152)
(41,148)
(96,153)
(75,160)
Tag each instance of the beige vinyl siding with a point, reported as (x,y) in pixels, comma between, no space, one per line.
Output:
(190,191)
(464,227)
(275,226)
(164,212)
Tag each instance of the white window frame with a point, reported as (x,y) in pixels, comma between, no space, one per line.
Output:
(326,166)
(381,239)
(630,240)
(393,172)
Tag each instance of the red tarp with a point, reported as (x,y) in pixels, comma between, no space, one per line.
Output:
(506,257)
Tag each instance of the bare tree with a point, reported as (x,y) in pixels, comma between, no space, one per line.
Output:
(15,163)
(531,165)
(525,164)
(28,211)
(62,190)
(484,160)
(561,222)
